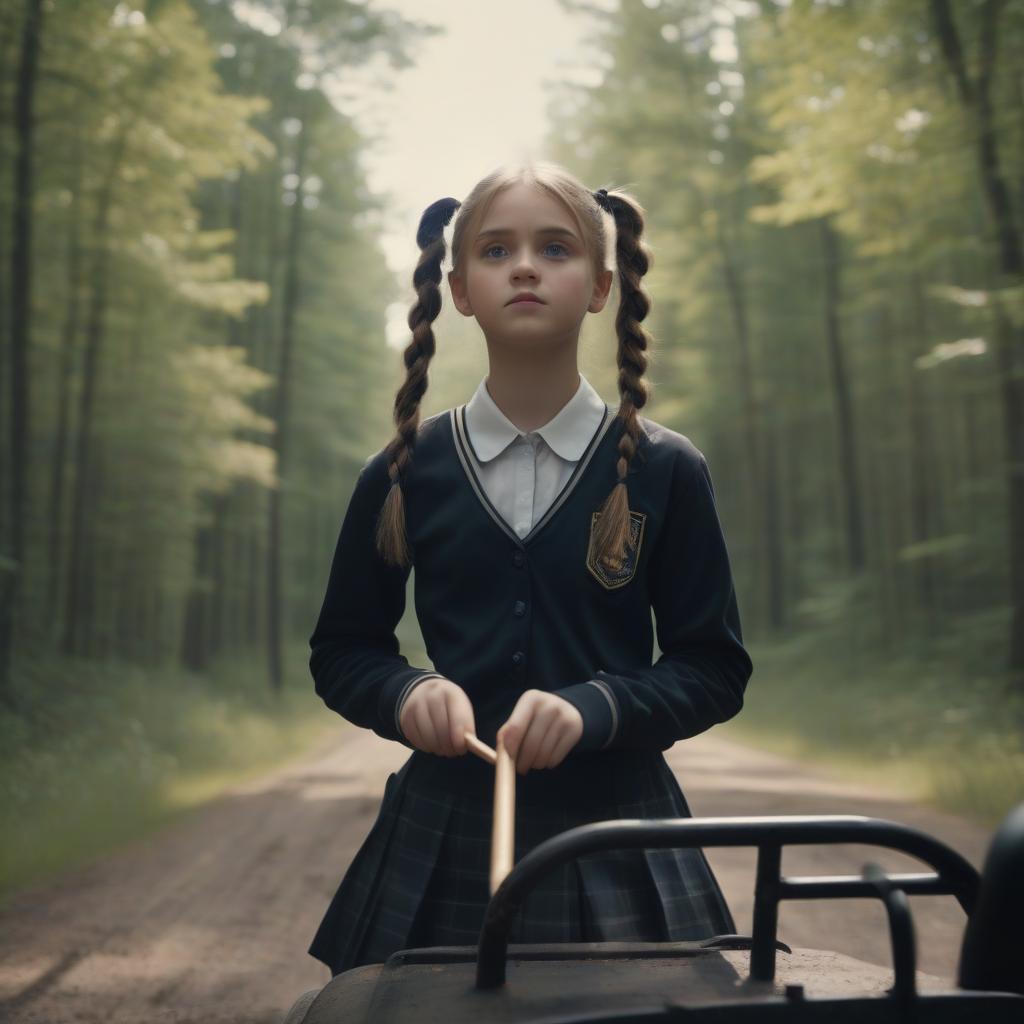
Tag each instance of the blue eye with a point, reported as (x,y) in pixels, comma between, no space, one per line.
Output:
(497,245)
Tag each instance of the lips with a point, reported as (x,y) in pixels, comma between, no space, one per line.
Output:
(524,297)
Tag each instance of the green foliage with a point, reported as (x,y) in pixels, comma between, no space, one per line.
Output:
(831,327)
(825,265)
(101,753)
(920,725)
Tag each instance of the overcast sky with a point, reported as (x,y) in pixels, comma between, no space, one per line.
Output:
(475,99)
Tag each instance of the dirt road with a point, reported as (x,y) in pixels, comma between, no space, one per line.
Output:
(209,921)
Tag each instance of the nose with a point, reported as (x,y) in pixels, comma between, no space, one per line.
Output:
(522,265)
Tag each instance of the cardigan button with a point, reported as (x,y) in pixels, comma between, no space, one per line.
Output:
(518,558)
(520,608)
(517,658)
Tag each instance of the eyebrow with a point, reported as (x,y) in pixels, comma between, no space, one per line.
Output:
(553,230)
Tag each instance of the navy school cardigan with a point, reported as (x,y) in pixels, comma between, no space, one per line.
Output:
(500,614)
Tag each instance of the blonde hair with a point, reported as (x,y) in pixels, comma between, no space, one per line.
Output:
(632,259)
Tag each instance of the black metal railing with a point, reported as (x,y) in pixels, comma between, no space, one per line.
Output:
(953,875)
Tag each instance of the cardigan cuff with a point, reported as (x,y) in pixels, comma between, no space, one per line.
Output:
(392,696)
(596,703)
(403,696)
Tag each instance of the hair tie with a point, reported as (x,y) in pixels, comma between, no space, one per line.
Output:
(434,220)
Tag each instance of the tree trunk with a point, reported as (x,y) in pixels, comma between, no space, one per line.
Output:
(920,464)
(78,594)
(69,334)
(19,384)
(849,475)
(290,302)
(975,96)
(764,520)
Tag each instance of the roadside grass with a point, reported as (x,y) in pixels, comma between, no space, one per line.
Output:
(103,753)
(919,726)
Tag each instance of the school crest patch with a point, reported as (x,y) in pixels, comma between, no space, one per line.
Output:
(610,577)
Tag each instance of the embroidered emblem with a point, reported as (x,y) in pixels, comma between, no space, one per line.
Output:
(609,577)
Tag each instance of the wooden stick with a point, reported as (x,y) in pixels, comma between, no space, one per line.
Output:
(503,830)
(480,748)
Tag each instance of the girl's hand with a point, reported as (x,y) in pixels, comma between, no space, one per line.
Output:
(435,717)
(541,730)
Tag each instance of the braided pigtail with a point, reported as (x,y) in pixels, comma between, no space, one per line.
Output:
(633,258)
(391,539)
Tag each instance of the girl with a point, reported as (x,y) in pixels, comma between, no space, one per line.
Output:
(543,529)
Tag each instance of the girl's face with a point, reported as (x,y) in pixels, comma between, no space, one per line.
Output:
(528,242)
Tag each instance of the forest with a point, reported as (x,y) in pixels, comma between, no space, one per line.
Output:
(194,368)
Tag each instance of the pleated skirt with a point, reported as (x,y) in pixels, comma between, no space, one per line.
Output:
(421,876)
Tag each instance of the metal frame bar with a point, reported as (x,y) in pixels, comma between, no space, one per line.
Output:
(954,875)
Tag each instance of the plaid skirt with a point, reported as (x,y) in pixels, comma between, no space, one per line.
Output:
(421,876)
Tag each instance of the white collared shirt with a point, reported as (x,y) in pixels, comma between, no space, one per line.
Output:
(523,472)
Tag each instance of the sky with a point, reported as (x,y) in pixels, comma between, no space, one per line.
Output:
(476,98)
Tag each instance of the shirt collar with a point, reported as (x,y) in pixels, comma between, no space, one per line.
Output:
(567,433)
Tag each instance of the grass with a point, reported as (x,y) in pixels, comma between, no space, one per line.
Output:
(918,725)
(103,753)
